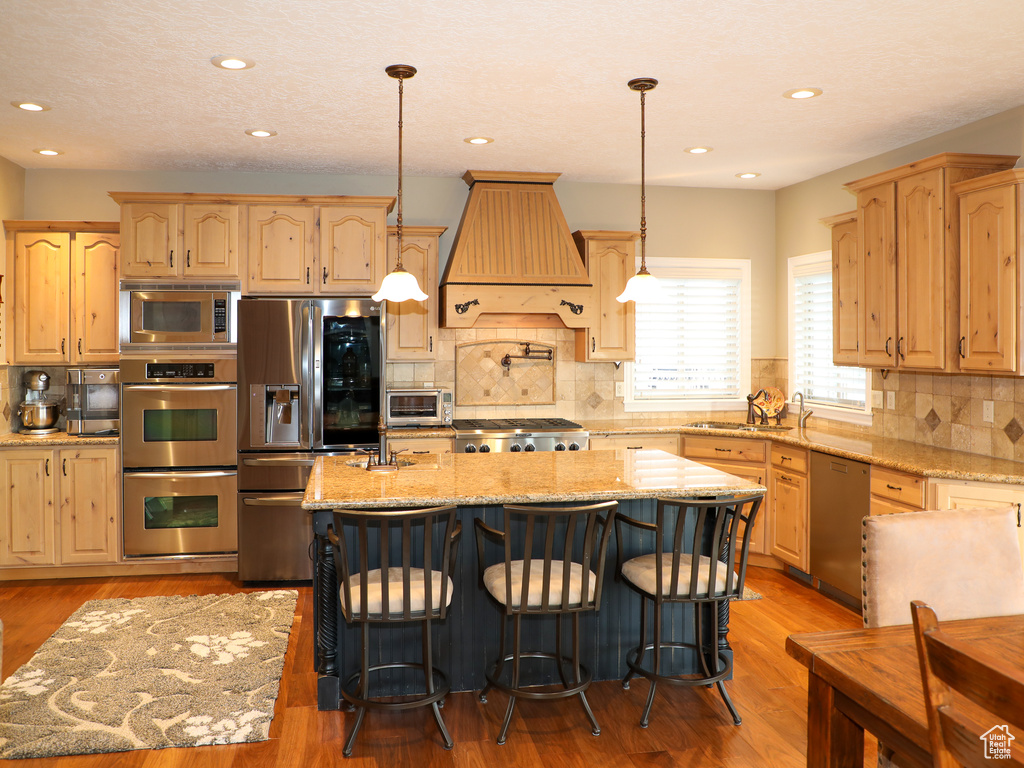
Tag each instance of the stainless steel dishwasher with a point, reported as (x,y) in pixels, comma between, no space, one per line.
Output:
(839,501)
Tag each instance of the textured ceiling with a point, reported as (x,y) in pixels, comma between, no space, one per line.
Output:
(131,85)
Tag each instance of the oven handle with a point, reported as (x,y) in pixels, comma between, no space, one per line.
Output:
(278,462)
(272,501)
(182,473)
(191,387)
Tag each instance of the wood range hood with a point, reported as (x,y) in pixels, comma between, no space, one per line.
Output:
(514,262)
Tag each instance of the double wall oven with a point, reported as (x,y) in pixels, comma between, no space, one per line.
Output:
(310,382)
(178,417)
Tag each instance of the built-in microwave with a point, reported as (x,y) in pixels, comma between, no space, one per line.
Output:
(164,316)
(418,407)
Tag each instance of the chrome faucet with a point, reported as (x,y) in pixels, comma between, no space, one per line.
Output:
(802,418)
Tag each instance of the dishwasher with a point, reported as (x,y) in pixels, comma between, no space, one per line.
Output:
(839,501)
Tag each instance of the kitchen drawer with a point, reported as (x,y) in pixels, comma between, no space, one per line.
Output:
(421,445)
(897,486)
(724,449)
(669,443)
(789,457)
(880,506)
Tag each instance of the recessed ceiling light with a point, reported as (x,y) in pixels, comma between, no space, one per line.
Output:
(30,106)
(747,175)
(259,133)
(802,93)
(48,152)
(232,62)
(698,150)
(478,140)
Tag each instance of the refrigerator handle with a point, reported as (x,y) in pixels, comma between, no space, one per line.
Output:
(316,331)
(305,355)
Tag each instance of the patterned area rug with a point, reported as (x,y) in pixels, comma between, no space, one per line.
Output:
(149,673)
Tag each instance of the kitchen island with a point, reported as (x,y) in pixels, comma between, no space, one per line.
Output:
(479,485)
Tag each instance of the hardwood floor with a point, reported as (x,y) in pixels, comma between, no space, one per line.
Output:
(688,727)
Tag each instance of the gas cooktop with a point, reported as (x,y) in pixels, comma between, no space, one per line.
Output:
(515,435)
(510,425)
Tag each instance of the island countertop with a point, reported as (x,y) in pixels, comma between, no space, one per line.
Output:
(516,478)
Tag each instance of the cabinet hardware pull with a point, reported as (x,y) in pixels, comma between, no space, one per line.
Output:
(172,258)
(1018,514)
(64,467)
(325,275)
(786,458)
(899,348)
(431,349)
(634,447)
(47,467)
(960,346)
(724,450)
(62,346)
(787,478)
(416,453)
(593,343)
(893,487)
(79,346)
(307,275)
(188,258)
(887,346)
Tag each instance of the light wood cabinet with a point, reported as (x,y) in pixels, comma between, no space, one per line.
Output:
(610,261)
(637,442)
(59,506)
(788,487)
(65,288)
(754,468)
(352,248)
(991,243)
(186,240)
(281,249)
(844,287)
(967,494)
(907,264)
(894,491)
(413,325)
(421,445)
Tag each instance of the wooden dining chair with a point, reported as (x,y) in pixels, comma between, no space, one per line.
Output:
(951,669)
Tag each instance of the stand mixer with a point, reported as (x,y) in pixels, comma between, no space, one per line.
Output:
(38,412)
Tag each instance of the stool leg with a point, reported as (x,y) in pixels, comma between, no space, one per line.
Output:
(428,669)
(703,653)
(499,666)
(362,691)
(516,626)
(721,683)
(657,664)
(558,649)
(595,728)
(630,674)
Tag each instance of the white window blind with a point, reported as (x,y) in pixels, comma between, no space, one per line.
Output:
(692,343)
(811,368)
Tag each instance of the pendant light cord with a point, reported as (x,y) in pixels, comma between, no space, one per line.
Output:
(401,91)
(643,183)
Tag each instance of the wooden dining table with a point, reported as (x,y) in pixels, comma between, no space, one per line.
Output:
(869,680)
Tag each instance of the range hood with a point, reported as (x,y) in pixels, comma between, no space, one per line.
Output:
(514,262)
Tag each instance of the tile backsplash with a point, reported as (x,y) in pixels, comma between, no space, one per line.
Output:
(504,372)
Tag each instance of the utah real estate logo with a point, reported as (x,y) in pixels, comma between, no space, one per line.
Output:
(997,742)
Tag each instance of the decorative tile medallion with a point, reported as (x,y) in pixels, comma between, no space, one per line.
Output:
(932,419)
(481,378)
(1013,430)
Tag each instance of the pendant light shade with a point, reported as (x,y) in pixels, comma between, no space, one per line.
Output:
(399,285)
(643,285)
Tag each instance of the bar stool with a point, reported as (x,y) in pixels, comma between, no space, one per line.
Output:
(671,573)
(547,552)
(422,544)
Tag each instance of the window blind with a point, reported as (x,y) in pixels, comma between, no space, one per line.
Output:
(811,367)
(688,342)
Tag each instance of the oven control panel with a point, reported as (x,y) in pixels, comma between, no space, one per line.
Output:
(180,371)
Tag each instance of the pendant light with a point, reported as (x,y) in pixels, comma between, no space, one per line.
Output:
(642,285)
(399,285)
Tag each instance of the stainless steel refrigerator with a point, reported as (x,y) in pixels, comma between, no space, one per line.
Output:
(310,381)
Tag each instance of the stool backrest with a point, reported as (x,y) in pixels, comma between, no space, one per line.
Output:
(543,535)
(383,539)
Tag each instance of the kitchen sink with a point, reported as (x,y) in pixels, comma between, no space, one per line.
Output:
(737,426)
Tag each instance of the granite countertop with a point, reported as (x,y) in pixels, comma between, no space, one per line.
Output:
(55,439)
(903,455)
(516,478)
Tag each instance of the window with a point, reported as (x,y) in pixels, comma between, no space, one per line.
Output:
(811,371)
(693,344)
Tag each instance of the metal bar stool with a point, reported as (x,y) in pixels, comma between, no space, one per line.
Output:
(547,552)
(421,544)
(697,558)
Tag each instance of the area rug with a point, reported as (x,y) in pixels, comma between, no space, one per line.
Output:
(149,673)
(749,594)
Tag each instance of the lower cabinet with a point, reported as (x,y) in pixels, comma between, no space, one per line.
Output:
(421,445)
(964,494)
(638,442)
(893,491)
(59,506)
(788,490)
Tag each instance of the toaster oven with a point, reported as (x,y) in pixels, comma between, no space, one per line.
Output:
(418,407)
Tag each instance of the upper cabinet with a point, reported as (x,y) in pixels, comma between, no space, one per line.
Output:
(990,272)
(329,244)
(908,270)
(844,287)
(65,284)
(412,325)
(610,261)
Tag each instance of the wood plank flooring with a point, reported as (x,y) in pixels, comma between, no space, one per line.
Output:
(688,727)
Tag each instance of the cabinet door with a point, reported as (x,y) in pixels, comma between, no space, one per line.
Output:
(352,246)
(26,507)
(149,236)
(88,505)
(755,474)
(94,331)
(876,275)
(210,240)
(789,518)
(412,325)
(280,257)
(963,494)
(40,310)
(988,280)
(844,293)
(921,271)
(610,264)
